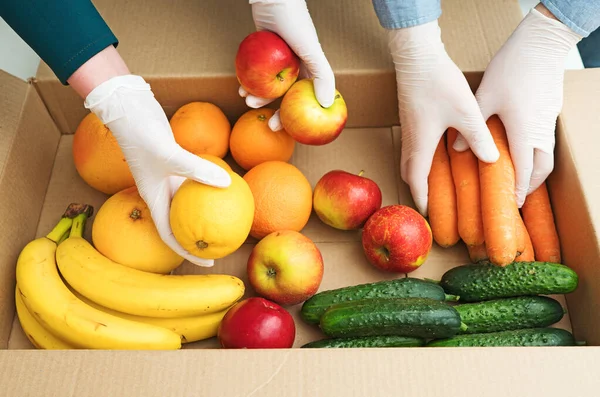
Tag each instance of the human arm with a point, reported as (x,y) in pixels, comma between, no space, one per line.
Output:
(433,93)
(291,20)
(523,84)
(76,43)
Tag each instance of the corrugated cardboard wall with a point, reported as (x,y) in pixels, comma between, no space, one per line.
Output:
(28,142)
(208,32)
(574,188)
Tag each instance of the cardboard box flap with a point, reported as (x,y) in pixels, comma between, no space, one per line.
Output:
(580,122)
(180,40)
(431,372)
(183,38)
(12,98)
(28,141)
(575,205)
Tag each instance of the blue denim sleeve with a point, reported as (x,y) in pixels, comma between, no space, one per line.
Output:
(394,14)
(582,16)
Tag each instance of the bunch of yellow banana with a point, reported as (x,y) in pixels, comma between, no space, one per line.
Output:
(69,296)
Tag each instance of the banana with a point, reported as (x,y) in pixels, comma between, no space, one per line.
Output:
(37,335)
(141,293)
(56,309)
(191,329)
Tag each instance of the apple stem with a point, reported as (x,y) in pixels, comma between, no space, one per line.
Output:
(361,172)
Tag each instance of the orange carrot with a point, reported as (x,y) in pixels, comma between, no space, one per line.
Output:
(477,252)
(498,201)
(465,173)
(520,232)
(442,199)
(527,254)
(539,221)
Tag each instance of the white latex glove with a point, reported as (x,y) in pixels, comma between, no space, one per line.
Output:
(433,95)
(292,22)
(127,106)
(523,85)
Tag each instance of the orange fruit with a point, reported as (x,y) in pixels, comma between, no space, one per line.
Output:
(201,128)
(282,198)
(212,222)
(252,141)
(123,230)
(217,160)
(98,158)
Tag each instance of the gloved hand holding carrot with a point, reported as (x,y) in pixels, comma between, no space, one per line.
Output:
(522,85)
(472,181)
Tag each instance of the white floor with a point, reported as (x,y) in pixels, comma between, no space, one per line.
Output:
(15,55)
(18,59)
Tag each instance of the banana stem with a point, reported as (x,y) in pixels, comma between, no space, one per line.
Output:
(63,237)
(61,229)
(78,225)
(75,209)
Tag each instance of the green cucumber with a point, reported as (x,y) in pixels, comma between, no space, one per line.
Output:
(314,307)
(518,337)
(417,317)
(367,341)
(484,281)
(510,313)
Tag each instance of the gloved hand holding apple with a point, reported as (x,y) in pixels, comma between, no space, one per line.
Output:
(291,21)
(284,58)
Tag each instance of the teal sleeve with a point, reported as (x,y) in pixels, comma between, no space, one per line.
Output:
(63,33)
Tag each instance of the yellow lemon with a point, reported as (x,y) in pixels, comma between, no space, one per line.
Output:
(212,222)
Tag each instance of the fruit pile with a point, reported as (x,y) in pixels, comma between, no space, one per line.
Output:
(120,290)
(68,295)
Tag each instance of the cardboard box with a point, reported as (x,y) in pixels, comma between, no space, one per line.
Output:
(185,49)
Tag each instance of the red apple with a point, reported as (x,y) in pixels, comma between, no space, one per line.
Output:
(285,267)
(397,238)
(256,323)
(303,117)
(345,201)
(265,65)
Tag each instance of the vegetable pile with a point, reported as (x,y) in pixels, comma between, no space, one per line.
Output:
(475,202)
(478,304)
